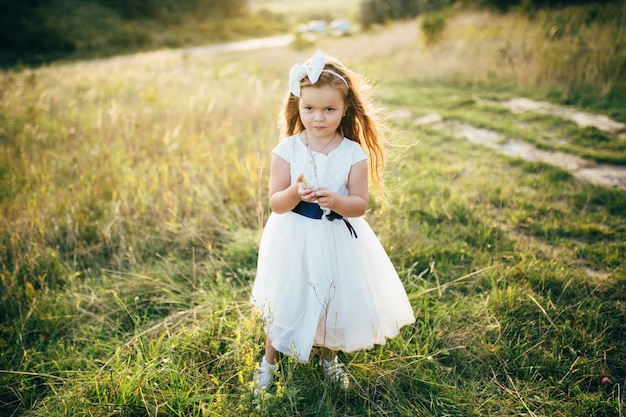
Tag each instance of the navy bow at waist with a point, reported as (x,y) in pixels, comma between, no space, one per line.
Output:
(314,211)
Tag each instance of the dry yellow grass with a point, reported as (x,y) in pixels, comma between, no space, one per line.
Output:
(479,46)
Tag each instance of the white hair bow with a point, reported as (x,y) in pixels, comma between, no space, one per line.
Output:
(299,72)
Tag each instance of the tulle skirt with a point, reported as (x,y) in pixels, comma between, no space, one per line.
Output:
(318,285)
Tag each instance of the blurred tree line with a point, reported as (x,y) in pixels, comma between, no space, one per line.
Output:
(381,11)
(164,9)
(42,26)
(35,31)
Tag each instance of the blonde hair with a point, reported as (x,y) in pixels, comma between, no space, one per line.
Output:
(358,124)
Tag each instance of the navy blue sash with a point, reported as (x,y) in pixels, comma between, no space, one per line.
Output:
(314,211)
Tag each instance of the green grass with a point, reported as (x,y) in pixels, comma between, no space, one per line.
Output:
(133,194)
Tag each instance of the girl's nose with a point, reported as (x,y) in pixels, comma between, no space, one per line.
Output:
(319,115)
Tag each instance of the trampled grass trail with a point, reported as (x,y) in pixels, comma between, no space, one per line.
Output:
(562,152)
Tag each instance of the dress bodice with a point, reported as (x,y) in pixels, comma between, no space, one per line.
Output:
(322,170)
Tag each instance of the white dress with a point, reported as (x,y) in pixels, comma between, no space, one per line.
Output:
(317,284)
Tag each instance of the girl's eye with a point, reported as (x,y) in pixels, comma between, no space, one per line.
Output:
(330,109)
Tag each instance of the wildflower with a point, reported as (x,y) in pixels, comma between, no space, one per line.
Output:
(307,183)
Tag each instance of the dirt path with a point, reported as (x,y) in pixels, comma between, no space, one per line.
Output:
(609,175)
(581,118)
(248,45)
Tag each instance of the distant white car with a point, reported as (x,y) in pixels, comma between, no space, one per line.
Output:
(341,25)
(316,26)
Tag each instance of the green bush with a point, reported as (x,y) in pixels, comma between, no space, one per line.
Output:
(381,11)
(129,37)
(432,27)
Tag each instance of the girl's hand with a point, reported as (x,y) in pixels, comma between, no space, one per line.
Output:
(324,196)
(305,190)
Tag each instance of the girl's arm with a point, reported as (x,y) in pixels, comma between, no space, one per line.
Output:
(355,203)
(283,196)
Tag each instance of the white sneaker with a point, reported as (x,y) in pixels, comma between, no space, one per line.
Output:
(263,377)
(335,371)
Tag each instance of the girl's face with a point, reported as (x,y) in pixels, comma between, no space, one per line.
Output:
(321,110)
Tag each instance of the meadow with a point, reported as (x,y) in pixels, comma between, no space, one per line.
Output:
(299,11)
(133,193)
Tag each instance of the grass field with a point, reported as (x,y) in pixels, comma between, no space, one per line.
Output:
(133,193)
(299,11)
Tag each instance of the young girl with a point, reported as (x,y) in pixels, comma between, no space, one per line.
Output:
(323,278)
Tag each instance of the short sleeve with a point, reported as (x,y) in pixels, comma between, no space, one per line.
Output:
(358,154)
(284,149)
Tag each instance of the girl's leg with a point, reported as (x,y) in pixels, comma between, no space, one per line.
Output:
(270,352)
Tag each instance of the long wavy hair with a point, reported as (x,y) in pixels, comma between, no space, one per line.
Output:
(359,123)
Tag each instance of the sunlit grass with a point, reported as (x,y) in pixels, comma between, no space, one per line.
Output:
(300,11)
(133,193)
